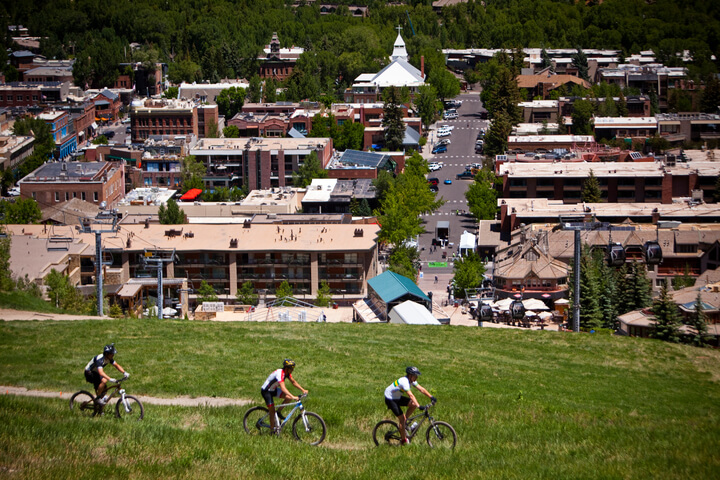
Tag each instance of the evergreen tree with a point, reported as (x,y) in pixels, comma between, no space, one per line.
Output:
(641,287)
(591,192)
(392,120)
(579,61)
(496,138)
(711,95)
(364,209)
(698,324)
(667,324)
(622,107)
(546,61)
(172,215)
(581,116)
(608,292)
(684,281)
(591,315)
(254,91)
(270,91)
(246,294)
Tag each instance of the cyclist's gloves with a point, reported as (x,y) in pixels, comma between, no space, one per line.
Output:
(433,399)
(113,380)
(126,375)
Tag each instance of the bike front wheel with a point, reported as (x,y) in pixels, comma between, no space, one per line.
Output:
(256,421)
(309,428)
(83,402)
(441,435)
(130,409)
(387,433)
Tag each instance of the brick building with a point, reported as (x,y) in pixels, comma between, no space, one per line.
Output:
(63,132)
(57,182)
(21,94)
(171,118)
(260,163)
(107,105)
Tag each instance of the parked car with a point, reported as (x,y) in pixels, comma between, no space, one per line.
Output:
(449,127)
(128,129)
(444,132)
(450,115)
(444,141)
(14,192)
(109,133)
(466,175)
(439,149)
(447,181)
(434,167)
(433,181)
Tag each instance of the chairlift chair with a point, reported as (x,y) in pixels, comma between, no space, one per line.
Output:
(57,242)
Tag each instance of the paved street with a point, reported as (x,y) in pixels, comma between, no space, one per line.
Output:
(461,152)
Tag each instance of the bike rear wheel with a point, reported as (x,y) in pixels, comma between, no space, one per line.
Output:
(84,403)
(387,432)
(309,430)
(256,421)
(441,435)
(136,410)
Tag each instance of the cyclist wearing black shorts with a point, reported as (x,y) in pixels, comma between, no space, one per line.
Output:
(95,372)
(394,398)
(274,387)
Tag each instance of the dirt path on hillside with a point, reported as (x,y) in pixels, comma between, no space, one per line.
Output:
(10,314)
(180,401)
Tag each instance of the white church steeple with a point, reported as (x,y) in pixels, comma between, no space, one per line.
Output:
(399,51)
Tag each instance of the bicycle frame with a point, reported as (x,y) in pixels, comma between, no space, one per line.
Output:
(116,390)
(425,414)
(298,406)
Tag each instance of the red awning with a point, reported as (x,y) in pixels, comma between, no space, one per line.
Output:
(191,194)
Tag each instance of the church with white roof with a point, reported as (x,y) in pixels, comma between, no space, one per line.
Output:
(368,87)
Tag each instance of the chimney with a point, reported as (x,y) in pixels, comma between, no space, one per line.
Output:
(422,66)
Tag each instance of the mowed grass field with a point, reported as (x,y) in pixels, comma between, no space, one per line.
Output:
(525,404)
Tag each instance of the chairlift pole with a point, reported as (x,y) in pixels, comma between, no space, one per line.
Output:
(158,258)
(108,220)
(576,279)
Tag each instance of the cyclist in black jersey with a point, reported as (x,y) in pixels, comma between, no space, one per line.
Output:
(95,371)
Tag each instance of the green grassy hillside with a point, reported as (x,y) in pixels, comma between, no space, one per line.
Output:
(525,404)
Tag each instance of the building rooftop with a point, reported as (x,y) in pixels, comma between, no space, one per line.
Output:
(326,237)
(603,169)
(66,171)
(207,146)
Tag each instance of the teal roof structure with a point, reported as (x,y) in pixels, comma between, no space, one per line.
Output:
(390,286)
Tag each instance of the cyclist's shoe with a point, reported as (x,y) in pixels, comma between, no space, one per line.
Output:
(276,432)
(405,442)
(101,401)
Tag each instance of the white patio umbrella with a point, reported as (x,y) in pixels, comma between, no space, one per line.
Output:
(544,315)
(503,304)
(535,304)
(169,311)
(529,313)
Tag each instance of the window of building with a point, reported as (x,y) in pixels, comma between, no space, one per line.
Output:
(67,196)
(57,196)
(82,195)
(95,196)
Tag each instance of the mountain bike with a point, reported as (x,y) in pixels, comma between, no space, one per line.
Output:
(127,406)
(308,427)
(439,434)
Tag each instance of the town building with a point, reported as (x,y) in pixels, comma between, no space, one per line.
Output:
(694,127)
(265,251)
(330,195)
(152,118)
(14,149)
(42,74)
(56,182)
(278,63)
(548,143)
(624,128)
(207,92)
(21,94)
(260,163)
(107,106)
(541,84)
(145,81)
(62,131)
(627,182)
(368,87)
(83,118)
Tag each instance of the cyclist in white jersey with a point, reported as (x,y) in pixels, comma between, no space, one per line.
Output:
(394,398)
(274,387)
(95,371)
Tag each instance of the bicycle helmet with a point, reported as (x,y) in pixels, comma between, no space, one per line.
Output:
(412,371)
(109,349)
(288,363)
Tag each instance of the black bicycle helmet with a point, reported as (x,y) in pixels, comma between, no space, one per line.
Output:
(288,363)
(412,371)
(109,349)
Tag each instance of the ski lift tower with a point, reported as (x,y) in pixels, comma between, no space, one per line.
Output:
(615,254)
(104,222)
(159,257)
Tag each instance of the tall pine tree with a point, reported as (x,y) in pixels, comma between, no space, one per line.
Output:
(667,324)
